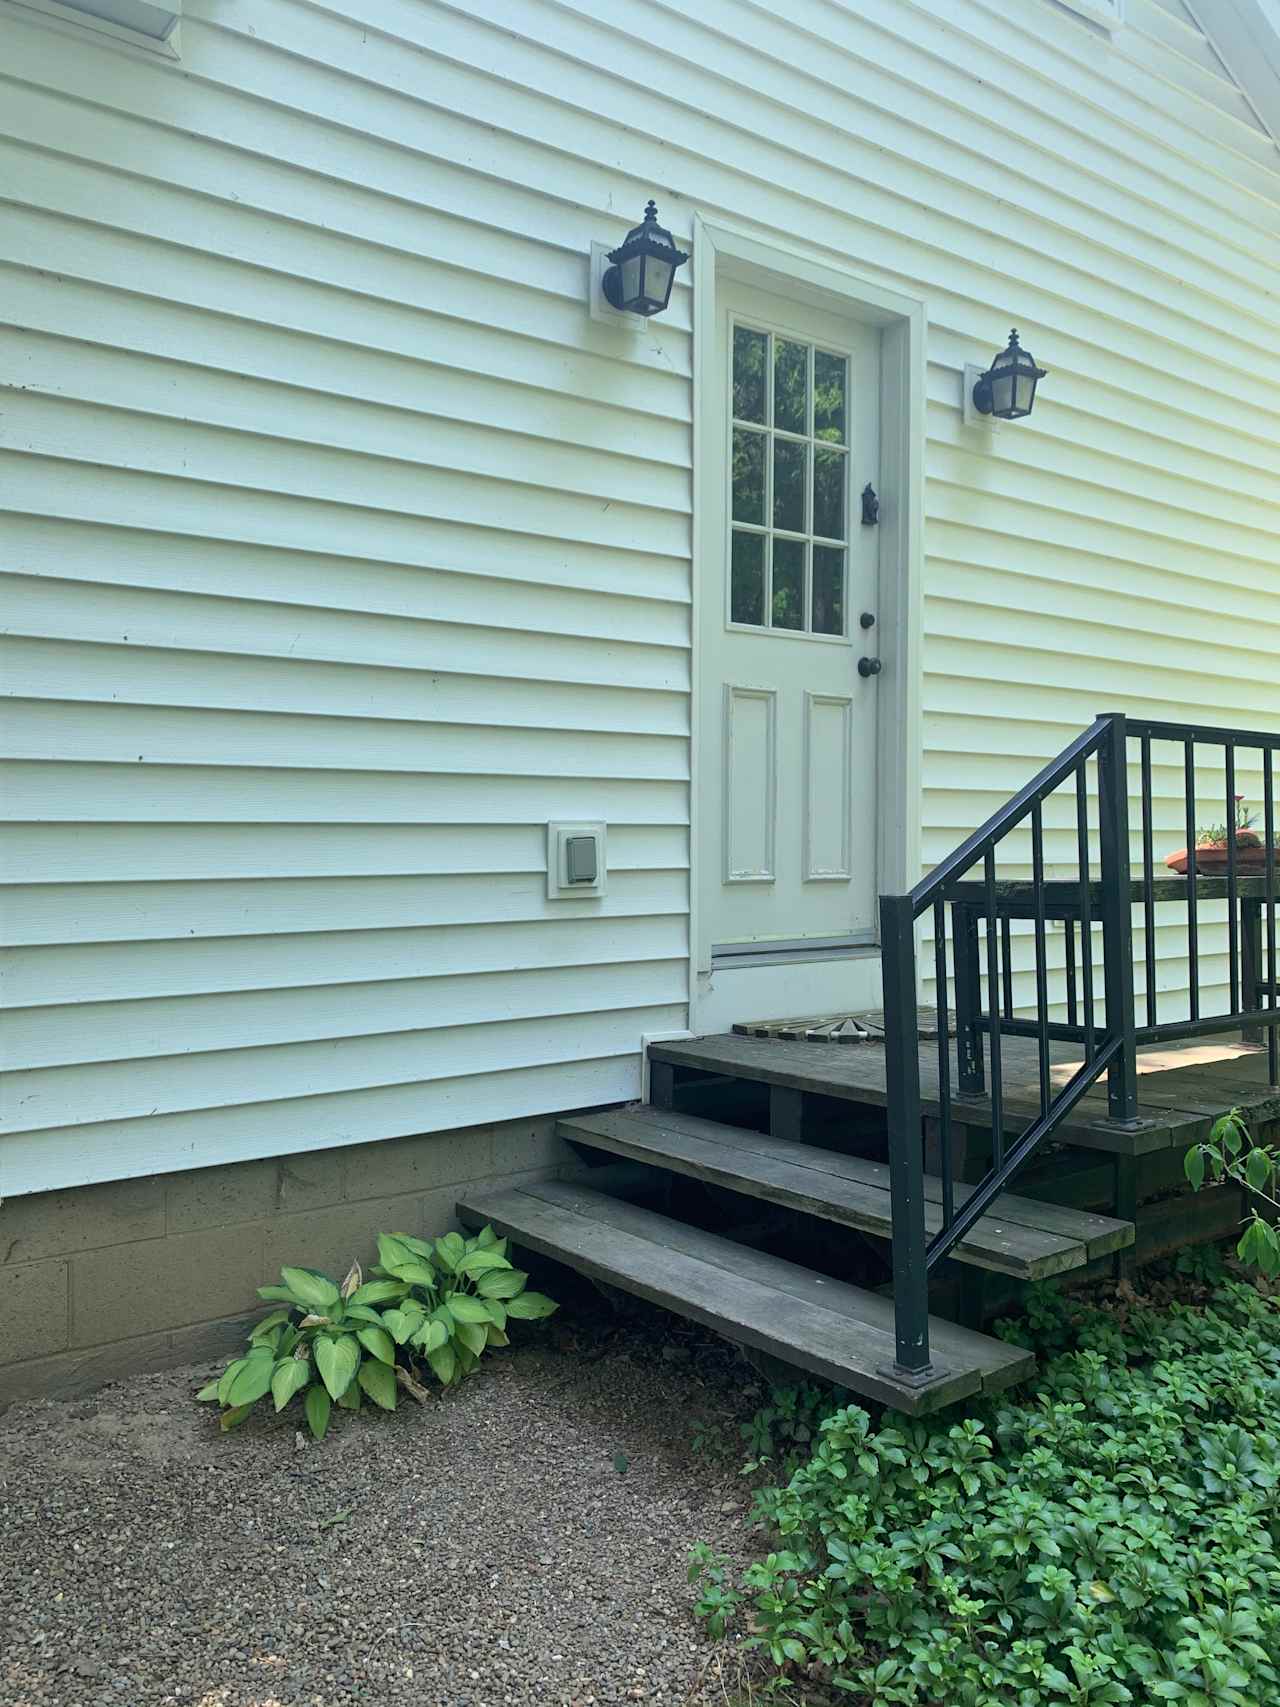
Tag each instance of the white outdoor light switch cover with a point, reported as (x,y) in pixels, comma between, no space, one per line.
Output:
(575,861)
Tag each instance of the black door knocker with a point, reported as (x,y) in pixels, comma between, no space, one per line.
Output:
(870,506)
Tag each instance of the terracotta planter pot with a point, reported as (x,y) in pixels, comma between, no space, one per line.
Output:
(1211,857)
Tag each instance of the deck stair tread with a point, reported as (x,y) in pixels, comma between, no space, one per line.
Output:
(836,1331)
(1017,1236)
(1172,1103)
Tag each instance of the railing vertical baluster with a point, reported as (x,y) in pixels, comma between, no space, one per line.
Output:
(1006,965)
(1042,959)
(906,1148)
(1233,881)
(970,1073)
(1272,967)
(944,1061)
(1086,908)
(1193,921)
(1117,916)
(993,1008)
(1073,1001)
(1148,878)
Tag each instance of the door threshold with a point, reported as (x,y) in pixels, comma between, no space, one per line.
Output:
(725,957)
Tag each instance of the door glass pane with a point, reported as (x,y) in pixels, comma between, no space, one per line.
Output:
(829,468)
(829,385)
(748,476)
(750,356)
(788,583)
(790,459)
(746,578)
(828,589)
(791,386)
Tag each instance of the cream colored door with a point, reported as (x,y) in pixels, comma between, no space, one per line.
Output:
(785,765)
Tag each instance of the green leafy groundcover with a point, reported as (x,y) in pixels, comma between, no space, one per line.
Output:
(1113,1536)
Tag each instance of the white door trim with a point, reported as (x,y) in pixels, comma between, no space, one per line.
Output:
(721,250)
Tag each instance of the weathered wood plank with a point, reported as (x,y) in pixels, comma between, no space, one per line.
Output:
(1016,1237)
(837,1331)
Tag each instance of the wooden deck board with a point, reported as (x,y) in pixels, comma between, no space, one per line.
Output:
(834,1330)
(1173,1103)
(1017,1236)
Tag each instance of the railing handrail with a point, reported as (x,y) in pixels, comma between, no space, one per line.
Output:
(1110,1047)
(998,825)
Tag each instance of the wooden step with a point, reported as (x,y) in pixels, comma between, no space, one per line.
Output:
(858,1075)
(1017,1236)
(839,1332)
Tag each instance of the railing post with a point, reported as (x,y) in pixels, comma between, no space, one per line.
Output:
(1117,915)
(906,1139)
(971,1075)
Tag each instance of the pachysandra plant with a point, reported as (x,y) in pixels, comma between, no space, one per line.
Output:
(440,1303)
(1230,1153)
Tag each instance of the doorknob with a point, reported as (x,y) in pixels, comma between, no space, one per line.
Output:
(869,666)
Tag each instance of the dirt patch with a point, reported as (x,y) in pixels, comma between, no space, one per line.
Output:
(523,1540)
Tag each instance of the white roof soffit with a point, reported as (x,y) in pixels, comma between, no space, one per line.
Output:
(1246,37)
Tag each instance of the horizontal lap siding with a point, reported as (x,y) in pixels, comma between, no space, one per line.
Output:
(346,550)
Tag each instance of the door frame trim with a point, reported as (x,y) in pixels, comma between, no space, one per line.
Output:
(722,250)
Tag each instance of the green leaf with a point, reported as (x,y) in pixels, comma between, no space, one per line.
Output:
(289,1377)
(420,1247)
(350,1400)
(443,1363)
(502,1283)
(532,1306)
(228,1376)
(268,1323)
(377,1292)
(317,1406)
(473,1336)
(378,1341)
(337,1360)
(314,1289)
(1257,1170)
(393,1249)
(363,1313)
(496,1312)
(431,1336)
(379,1382)
(414,1272)
(495,1336)
(480,1262)
(400,1325)
(210,1391)
(234,1417)
(486,1237)
(463,1308)
(253,1380)
(451,1250)
(1194,1166)
(281,1294)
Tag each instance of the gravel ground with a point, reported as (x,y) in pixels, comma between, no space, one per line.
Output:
(484,1550)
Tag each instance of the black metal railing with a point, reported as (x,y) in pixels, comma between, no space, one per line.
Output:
(973,957)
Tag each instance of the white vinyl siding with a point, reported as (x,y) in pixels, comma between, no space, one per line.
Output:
(347,549)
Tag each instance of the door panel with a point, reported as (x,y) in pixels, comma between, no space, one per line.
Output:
(786,762)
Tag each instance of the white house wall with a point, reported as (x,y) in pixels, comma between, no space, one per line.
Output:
(346,549)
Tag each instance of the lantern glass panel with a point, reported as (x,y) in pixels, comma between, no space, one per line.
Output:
(1024,392)
(630,270)
(657,280)
(1001,391)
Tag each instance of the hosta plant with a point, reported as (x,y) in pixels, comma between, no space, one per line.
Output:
(429,1305)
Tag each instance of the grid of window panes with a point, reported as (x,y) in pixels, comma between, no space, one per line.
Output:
(789,484)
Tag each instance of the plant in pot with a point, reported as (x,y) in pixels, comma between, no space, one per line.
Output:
(1212,844)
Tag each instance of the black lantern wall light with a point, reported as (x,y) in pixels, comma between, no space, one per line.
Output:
(643,268)
(1007,390)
